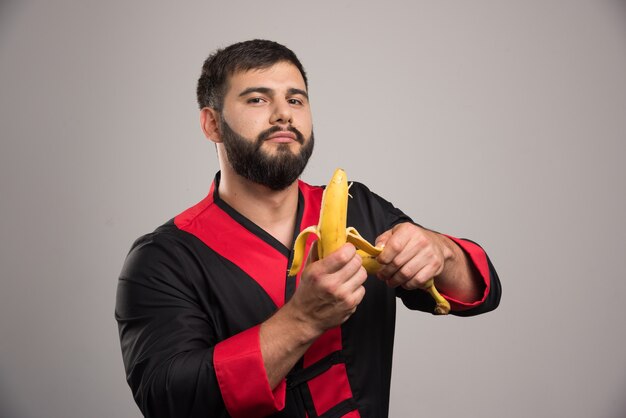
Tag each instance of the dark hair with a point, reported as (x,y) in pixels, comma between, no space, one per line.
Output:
(242,56)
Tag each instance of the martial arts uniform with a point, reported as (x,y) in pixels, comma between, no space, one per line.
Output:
(192,295)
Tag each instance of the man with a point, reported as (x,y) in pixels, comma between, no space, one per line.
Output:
(210,323)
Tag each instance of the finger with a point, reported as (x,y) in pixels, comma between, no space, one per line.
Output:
(404,255)
(358,296)
(344,283)
(382,238)
(339,259)
(355,299)
(430,271)
(394,245)
(404,273)
(401,259)
(420,280)
(356,280)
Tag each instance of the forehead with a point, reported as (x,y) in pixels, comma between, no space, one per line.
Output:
(280,76)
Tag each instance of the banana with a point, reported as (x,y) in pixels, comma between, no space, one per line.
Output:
(332,233)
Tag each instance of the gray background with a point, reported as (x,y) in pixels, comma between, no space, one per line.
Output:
(503,121)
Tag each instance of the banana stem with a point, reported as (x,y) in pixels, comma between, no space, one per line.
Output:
(442,306)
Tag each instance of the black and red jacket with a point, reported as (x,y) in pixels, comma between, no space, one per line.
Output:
(192,295)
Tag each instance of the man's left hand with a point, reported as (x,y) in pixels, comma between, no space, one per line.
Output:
(412,255)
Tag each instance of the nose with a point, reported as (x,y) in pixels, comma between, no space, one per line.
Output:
(281,114)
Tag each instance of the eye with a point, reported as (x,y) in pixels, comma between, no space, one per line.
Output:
(255,100)
(296,102)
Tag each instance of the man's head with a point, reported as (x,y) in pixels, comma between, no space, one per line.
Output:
(256,54)
(254,106)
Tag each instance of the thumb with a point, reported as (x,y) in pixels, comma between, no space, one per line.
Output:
(313,256)
(383,238)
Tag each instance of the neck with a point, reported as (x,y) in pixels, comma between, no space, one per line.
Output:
(274,211)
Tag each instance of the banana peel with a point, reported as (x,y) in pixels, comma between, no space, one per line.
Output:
(332,233)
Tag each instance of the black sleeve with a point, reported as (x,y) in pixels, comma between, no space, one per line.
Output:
(380,216)
(421,301)
(167,340)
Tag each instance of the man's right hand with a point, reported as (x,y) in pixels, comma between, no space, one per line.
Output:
(329,292)
(330,289)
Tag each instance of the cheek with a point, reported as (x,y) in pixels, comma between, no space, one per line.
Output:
(305,124)
(248,125)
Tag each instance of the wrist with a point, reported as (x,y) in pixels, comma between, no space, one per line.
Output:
(304,329)
(452,260)
(450,250)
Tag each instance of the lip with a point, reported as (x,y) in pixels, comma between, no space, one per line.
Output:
(282,136)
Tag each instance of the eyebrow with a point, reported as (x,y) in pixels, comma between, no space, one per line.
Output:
(298,91)
(269,91)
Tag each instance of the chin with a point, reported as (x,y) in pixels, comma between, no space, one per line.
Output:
(274,148)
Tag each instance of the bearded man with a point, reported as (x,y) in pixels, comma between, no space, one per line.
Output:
(210,323)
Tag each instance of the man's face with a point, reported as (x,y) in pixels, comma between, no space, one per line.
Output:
(266,125)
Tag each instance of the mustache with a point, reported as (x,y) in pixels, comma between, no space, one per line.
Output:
(264,136)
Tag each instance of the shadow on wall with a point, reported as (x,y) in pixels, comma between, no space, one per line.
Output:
(7,408)
(7,10)
(620,407)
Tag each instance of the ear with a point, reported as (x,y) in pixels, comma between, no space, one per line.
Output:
(210,122)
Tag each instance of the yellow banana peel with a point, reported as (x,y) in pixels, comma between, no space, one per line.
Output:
(332,233)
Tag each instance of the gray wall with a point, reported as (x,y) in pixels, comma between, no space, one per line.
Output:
(503,121)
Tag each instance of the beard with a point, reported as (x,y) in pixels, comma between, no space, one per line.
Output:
(276,171)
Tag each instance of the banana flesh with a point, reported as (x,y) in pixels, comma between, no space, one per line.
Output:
(332,233)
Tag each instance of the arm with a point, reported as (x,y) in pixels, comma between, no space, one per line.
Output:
(374,217)
(462,273)
(178,365)
(329,293)
(167,340)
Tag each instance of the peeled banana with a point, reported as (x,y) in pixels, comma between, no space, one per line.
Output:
(332,233)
